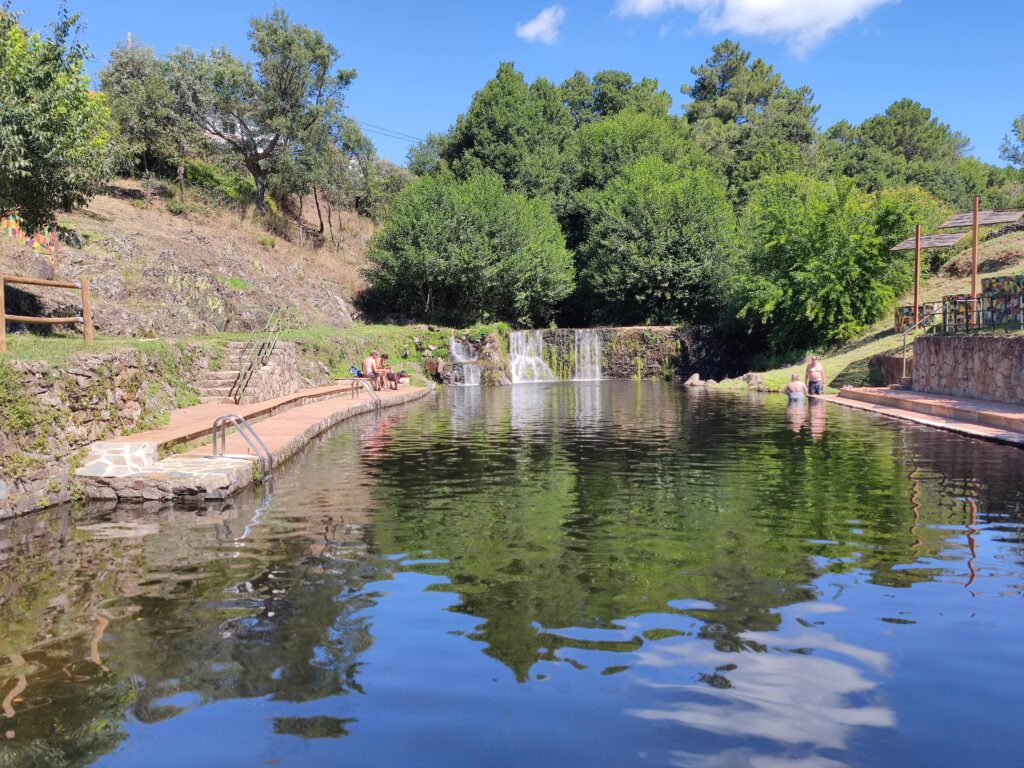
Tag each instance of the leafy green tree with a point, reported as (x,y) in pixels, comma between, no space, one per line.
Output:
(55,144)
(660,245)
(142,103)
(259,110)
(747,118)
(818,265)
(1012,148)
(424,158)
(461,252)
(610,92)
(515,130)
(601,150)
(908,130)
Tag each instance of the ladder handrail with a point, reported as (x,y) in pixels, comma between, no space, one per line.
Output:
(245,429)
(253,356)
(377,403)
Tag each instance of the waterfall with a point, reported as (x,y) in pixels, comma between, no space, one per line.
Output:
(526,357)
(588,355)
(465,365)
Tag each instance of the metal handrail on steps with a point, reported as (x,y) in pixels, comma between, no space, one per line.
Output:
(255,443)
(915,326)
(254,356)
(377,403)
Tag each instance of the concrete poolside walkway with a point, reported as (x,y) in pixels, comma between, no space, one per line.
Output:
(129,467)
(984,419)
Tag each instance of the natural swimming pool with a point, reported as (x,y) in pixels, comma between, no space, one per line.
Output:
(608,573)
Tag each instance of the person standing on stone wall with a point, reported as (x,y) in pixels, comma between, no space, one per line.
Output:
(814,378)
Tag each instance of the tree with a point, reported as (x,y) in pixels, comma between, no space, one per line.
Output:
(660,244)
(908,130)
(818,266)
(1012,148)
(601,150)
(54,138)
(259,109)
(609,93)
(513,129)
(142,104)
(747,118)
(461,252)
(424,158)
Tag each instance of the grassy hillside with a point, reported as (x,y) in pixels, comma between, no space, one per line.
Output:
(848,364)
(160,274)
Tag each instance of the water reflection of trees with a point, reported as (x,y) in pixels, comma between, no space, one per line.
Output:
(555,507)
(183,606)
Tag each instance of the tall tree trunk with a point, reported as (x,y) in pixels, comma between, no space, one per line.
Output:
(319,215)
(259,176)
(149,179)
(181,180)
(330,224)
(300,219)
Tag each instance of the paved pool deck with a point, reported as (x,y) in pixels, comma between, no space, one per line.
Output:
(139,468)
(983,419)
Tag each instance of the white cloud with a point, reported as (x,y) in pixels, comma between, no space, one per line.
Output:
(801,23)
(543,28)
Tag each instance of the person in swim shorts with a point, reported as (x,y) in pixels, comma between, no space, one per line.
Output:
(814,378)
(796,388)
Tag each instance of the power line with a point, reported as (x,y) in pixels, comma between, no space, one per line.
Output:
(388,132)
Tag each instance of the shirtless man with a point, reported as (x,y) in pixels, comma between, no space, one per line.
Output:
(371,370)
(815,376)
(796,388)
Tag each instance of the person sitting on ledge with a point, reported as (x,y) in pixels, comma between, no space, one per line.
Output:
(815,376)
(796,388)
(372,371)
(390,378)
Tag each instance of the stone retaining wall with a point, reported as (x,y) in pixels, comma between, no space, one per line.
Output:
(49,413)
(985,367)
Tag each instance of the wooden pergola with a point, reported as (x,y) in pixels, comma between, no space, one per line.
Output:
(975,220)
(918,243)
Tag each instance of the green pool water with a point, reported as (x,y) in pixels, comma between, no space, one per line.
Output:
(593,574)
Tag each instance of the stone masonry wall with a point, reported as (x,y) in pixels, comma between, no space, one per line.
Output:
(49,413)
(285,373)
(985,367)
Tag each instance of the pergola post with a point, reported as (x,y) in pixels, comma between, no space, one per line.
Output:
(917,276)
(974,260)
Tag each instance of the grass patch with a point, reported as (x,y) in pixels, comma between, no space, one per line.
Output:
(236,284)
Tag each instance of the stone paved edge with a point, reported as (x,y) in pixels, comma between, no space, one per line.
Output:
(979,431)
(203,476)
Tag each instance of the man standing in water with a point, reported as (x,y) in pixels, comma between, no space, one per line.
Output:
(815,376)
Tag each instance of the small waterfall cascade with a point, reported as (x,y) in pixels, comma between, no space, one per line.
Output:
(466,369)
(588,355)
(526,357)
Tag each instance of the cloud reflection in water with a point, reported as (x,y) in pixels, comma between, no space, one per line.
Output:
(788,694)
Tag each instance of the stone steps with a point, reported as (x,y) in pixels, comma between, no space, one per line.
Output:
(996,415)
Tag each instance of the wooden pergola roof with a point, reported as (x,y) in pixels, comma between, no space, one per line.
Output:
(984,218)
(929,241)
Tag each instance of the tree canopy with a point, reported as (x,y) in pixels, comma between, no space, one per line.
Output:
(55,144)
(462,251)
(264,109)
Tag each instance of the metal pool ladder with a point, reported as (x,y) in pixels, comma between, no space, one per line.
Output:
(374,397)
(255,443)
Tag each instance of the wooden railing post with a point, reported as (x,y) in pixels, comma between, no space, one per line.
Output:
(3,316)
(86,312)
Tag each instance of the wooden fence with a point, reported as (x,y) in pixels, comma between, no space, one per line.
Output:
(85,319)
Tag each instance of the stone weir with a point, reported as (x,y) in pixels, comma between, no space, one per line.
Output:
(586,354)
(130,468)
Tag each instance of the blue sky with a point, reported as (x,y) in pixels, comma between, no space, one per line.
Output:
(420,62)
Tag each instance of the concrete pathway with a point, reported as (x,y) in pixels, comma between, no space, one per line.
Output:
(1000,422)
(129,468)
